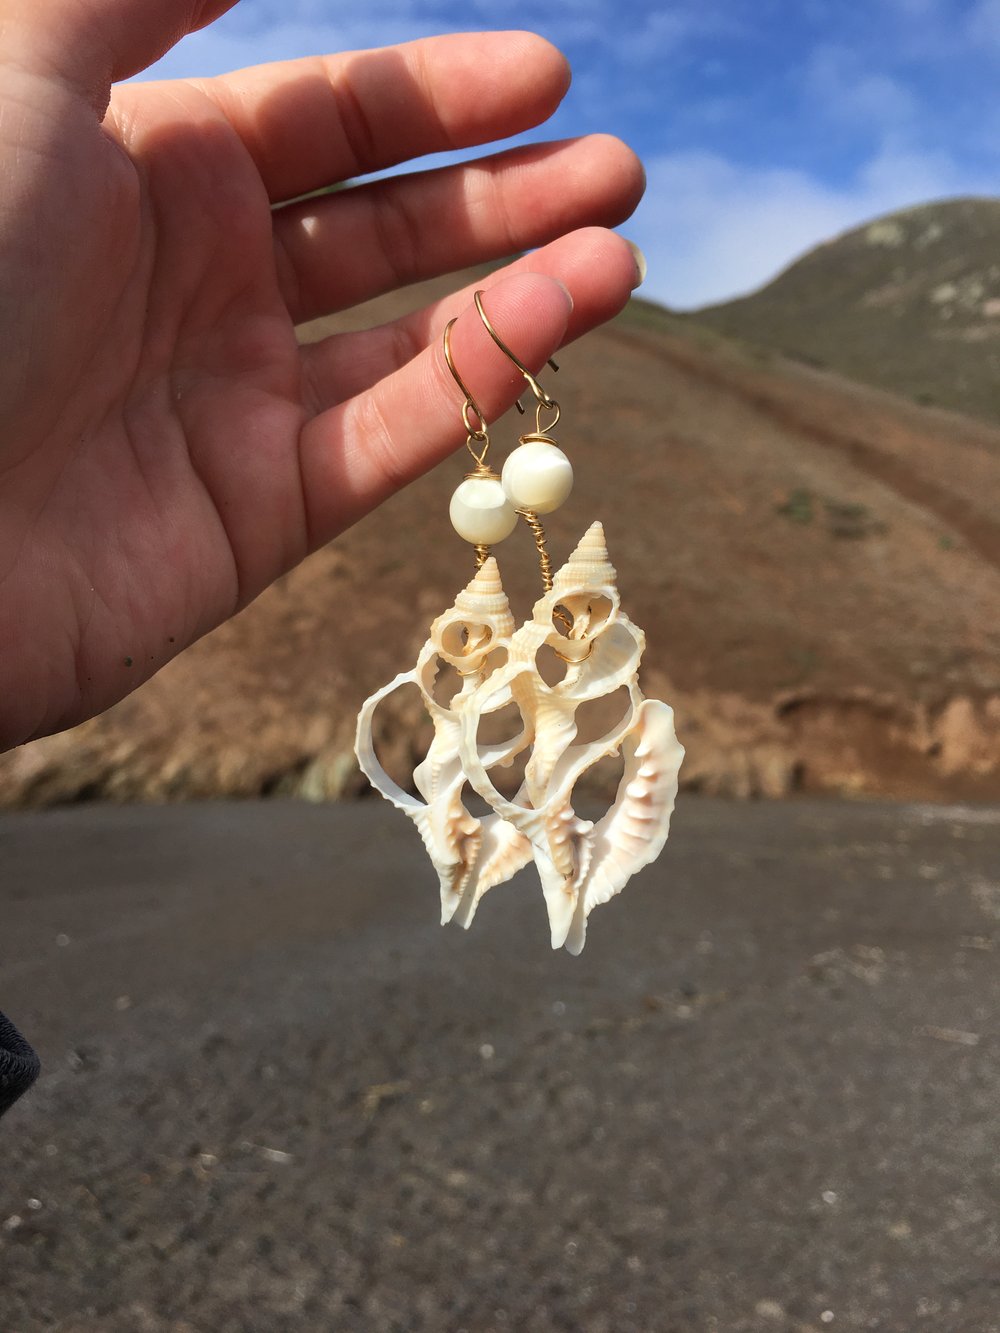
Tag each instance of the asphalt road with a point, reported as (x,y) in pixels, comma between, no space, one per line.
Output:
(278,1096)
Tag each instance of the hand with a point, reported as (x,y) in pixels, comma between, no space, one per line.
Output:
(168,450)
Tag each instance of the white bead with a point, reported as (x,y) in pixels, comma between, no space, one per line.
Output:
(481,513)
(537,476)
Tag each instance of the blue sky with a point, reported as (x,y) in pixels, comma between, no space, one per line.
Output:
(766,126)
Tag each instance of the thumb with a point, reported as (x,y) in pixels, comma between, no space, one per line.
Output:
(95,43)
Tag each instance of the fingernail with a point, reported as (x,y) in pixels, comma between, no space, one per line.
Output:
(569,294)
(641,267)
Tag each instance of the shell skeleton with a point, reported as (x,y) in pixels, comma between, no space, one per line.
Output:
(581,863)
(470,855)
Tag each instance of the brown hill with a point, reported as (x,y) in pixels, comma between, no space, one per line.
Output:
(817,567)
(909,302)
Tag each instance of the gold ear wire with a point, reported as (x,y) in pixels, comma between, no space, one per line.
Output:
(477,441)
(474,434)
(543,400)
(544,403)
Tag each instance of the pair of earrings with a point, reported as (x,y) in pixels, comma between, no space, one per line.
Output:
(581,863)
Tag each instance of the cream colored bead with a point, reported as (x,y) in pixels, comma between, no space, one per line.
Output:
(481,513)
(537,476)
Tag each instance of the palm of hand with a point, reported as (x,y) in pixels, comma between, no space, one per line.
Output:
(158,488)
(168,450)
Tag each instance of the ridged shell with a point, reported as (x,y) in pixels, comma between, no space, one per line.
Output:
(468,854)
(632,833)
(588,566)
(478,623)
(580,864)
(485,596)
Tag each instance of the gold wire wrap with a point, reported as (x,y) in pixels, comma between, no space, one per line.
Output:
(575,661)
(544,560)
(538,532)
(482,470)
(539,433)
(482,555)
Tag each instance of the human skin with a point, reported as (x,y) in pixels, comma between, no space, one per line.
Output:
(168,450)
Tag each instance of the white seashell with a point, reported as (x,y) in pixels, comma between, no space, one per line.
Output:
(589,565)
(632,833)
(469,855)
(580,865)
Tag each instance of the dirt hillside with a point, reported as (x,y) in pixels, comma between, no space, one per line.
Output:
(816,565)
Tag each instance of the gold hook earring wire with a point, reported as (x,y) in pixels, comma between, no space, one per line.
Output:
(544,401)
(541,397)
(474,434)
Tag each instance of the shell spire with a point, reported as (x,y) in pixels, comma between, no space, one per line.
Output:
(484,594)
(590,560)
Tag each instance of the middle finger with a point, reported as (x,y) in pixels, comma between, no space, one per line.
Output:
(345,248)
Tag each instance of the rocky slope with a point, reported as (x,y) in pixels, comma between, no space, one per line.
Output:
(816,564)
(910,302)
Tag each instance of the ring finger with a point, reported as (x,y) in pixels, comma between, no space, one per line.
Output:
(597,266)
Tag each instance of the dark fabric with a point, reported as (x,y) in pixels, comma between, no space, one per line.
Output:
(18,1064)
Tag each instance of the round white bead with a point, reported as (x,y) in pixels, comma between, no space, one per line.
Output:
(537,476)
(481,513)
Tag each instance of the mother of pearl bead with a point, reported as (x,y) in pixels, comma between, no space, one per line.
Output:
(537,476)
(480,512)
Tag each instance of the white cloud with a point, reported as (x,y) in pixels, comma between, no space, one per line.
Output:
(713,229)
(836,77)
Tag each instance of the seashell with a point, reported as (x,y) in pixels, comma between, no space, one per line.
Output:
(580,864)
(469,855)
(478,623)
(632,833)
(589,565)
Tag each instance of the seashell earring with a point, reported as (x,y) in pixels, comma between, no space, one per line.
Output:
(469,855)
(581,863)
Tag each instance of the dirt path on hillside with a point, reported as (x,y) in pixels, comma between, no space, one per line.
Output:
(875,441)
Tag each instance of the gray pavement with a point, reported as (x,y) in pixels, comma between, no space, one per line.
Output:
(278,1096)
